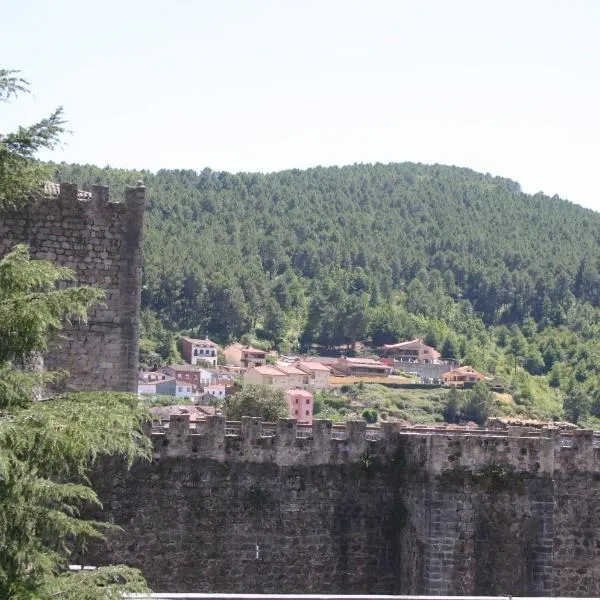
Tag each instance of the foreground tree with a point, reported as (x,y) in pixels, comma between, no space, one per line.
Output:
(20,173)
(257,401)
(48,447)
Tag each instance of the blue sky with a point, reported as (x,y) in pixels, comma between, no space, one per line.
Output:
(510,87)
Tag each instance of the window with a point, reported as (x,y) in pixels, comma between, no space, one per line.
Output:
(307,413)
(296,412)
(179,389)
(308,401)
(296,400)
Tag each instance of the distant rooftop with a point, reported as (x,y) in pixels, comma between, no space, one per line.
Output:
(204,342)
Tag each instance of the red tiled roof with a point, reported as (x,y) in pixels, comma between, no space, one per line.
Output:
(186,368)
(322,360)
(289,369)
(159,377)
(412,343)
(205,342)
(465,369)
(247,348)
(299,392)
(314,365)
(269,370)
(365,361)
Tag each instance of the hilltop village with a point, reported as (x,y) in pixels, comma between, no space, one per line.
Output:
(211,374)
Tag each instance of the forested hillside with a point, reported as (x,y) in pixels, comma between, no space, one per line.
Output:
(507,281)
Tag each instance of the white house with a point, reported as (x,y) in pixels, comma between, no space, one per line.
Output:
(195,351)
(216,390)
(150,382)
(184,389)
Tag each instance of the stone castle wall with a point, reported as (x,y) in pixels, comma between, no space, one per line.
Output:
(101,242)
(254,507)
(265,508)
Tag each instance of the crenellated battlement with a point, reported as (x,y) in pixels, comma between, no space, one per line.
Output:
(281,507)
(65,193)
(101,242)
(435,449)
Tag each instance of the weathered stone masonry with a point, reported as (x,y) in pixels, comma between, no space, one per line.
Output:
(101,242)
(401,511)
(249,508)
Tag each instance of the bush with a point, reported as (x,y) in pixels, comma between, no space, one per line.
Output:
(479,404)
(369,415)
(257,401)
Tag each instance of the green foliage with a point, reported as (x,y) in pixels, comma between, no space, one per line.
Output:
(450,347)
(48,447)
(452,406)
(471,405)
(315,252)
(577,404)
(162,400)
(479,405)
(31,307)
(257,401)
(20,174)
(369,415)
(103,583)
(498,279)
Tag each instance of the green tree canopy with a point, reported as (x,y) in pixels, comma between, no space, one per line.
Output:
(47,447)
(20,173)
(257,401)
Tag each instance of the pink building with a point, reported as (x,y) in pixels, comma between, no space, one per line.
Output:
(300,403)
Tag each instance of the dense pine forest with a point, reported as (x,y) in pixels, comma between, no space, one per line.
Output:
(502,280)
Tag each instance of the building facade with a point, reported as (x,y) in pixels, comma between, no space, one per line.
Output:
(458,377)
(413,351)
(196,351)
(150,382)
(244,356)
(300,404)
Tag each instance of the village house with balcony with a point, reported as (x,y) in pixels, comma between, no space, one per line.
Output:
(412,351)
(244,356)
(195,351)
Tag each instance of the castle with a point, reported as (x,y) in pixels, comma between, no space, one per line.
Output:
(255,507)
(101,242)
(265,508)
